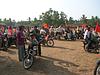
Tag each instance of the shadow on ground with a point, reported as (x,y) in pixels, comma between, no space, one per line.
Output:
(67,40)
(62,48)
(50,66)
(42,66)
(11,67)
(11,52)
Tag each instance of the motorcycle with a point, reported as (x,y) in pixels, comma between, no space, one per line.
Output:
(94,46)
(97,68)
(30,56)
(47,40)
(12,41)
(31,52)
(58,35)
(4,43)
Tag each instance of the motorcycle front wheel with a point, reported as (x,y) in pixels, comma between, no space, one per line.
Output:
(97,70)
(28,62)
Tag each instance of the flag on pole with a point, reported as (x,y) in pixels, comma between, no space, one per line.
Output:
(97,29)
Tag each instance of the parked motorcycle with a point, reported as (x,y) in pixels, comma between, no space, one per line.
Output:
(4,43)
(12,41)
(69,36)
(97,68)
(58,35)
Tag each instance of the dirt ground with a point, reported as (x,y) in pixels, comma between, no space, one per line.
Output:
(65,58)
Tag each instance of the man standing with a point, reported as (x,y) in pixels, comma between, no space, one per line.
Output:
(51,31)
(20,43)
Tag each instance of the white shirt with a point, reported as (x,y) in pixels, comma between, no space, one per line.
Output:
(42,31)
(85,34)
(59,29)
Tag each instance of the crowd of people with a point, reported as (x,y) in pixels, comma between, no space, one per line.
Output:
(21,34)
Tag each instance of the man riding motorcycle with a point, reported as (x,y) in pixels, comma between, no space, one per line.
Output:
(91,41)
(37,35)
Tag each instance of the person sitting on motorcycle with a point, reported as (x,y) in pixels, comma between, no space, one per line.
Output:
(46,28)
(68,33)
(89,37)
(36,33)
(95,39)
(59,31)
(73,34)
(51,31)
(85,34)
(43,32)
(33,42)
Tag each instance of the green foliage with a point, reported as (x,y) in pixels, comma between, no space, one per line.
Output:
(71,21)
(91,22)
(55,18)
(8,21)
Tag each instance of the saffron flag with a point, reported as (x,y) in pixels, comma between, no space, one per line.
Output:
(46,26)
(97,29)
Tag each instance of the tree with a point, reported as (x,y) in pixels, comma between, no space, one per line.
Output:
(71,21)
(0,20)
(83,19)
(63,18)
(53,17)
(92,21)
(97,19)
(47,17)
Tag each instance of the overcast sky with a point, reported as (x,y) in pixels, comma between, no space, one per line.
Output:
(22,9)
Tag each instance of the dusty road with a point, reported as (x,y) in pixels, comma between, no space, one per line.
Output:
(65,58)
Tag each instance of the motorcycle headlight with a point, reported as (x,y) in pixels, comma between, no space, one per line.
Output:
(34,47)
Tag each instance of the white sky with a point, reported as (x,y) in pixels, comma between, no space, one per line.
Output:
(22,9)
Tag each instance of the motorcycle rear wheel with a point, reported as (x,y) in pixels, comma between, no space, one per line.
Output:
(85,48)
(50,43)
